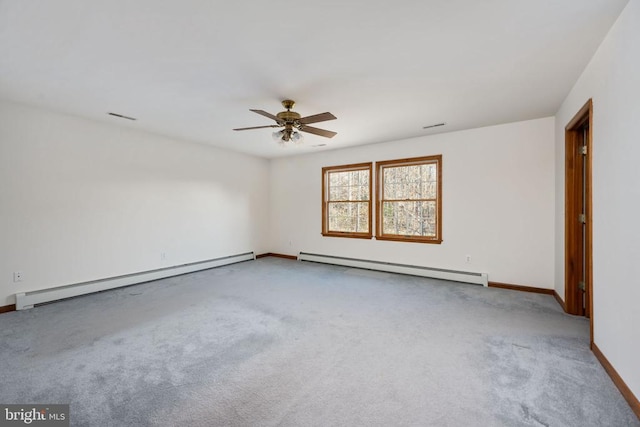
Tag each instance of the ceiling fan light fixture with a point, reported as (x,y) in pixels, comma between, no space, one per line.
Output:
(277,135)
(287,135)
(297,137)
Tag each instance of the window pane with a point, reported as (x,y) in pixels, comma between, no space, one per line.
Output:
(410,182)
(389,189)
(349,185)
(349,217)
(406,218)
(338,192)
(429,190)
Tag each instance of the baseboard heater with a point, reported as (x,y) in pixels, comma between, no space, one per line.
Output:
(391,267)
(27,300)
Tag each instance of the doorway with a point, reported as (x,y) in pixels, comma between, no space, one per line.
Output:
(578,214)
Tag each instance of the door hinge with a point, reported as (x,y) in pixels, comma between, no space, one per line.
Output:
(583,150)
(581,285)
(582,218)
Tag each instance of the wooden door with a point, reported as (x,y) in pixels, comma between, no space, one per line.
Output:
(578,214)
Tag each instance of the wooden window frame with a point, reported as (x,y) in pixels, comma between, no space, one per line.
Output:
(325,202)
(437,159)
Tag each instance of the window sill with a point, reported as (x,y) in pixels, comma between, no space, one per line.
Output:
(348,235)
(409,239)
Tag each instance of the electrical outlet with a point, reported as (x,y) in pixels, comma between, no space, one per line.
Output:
(17,276)
(467,259)
(163,256)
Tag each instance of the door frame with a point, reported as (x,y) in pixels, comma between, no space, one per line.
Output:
(573,239)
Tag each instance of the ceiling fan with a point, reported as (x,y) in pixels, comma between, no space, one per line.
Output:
(291,122)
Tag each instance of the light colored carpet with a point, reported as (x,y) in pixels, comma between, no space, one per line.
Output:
(274,342)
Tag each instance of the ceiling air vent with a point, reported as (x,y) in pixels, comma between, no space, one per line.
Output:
(434,126)
(121,116)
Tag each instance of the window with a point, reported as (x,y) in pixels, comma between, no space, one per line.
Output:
(409,200)
(346,201)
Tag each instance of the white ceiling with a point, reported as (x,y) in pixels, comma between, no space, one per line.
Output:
(191,69)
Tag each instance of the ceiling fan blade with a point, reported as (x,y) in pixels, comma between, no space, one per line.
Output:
(259,127)
(322,117)
(264,113)
(316,131)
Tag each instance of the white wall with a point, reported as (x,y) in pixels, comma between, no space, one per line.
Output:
(81,200)
(612,79)
(498,203)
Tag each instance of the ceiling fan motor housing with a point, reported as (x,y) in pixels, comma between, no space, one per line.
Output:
(288,116)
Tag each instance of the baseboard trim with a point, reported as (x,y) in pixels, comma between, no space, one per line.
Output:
(27,300)
(277,256)
(7,308)
(631,399)
(521,288)
(471,277)
(557,297)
